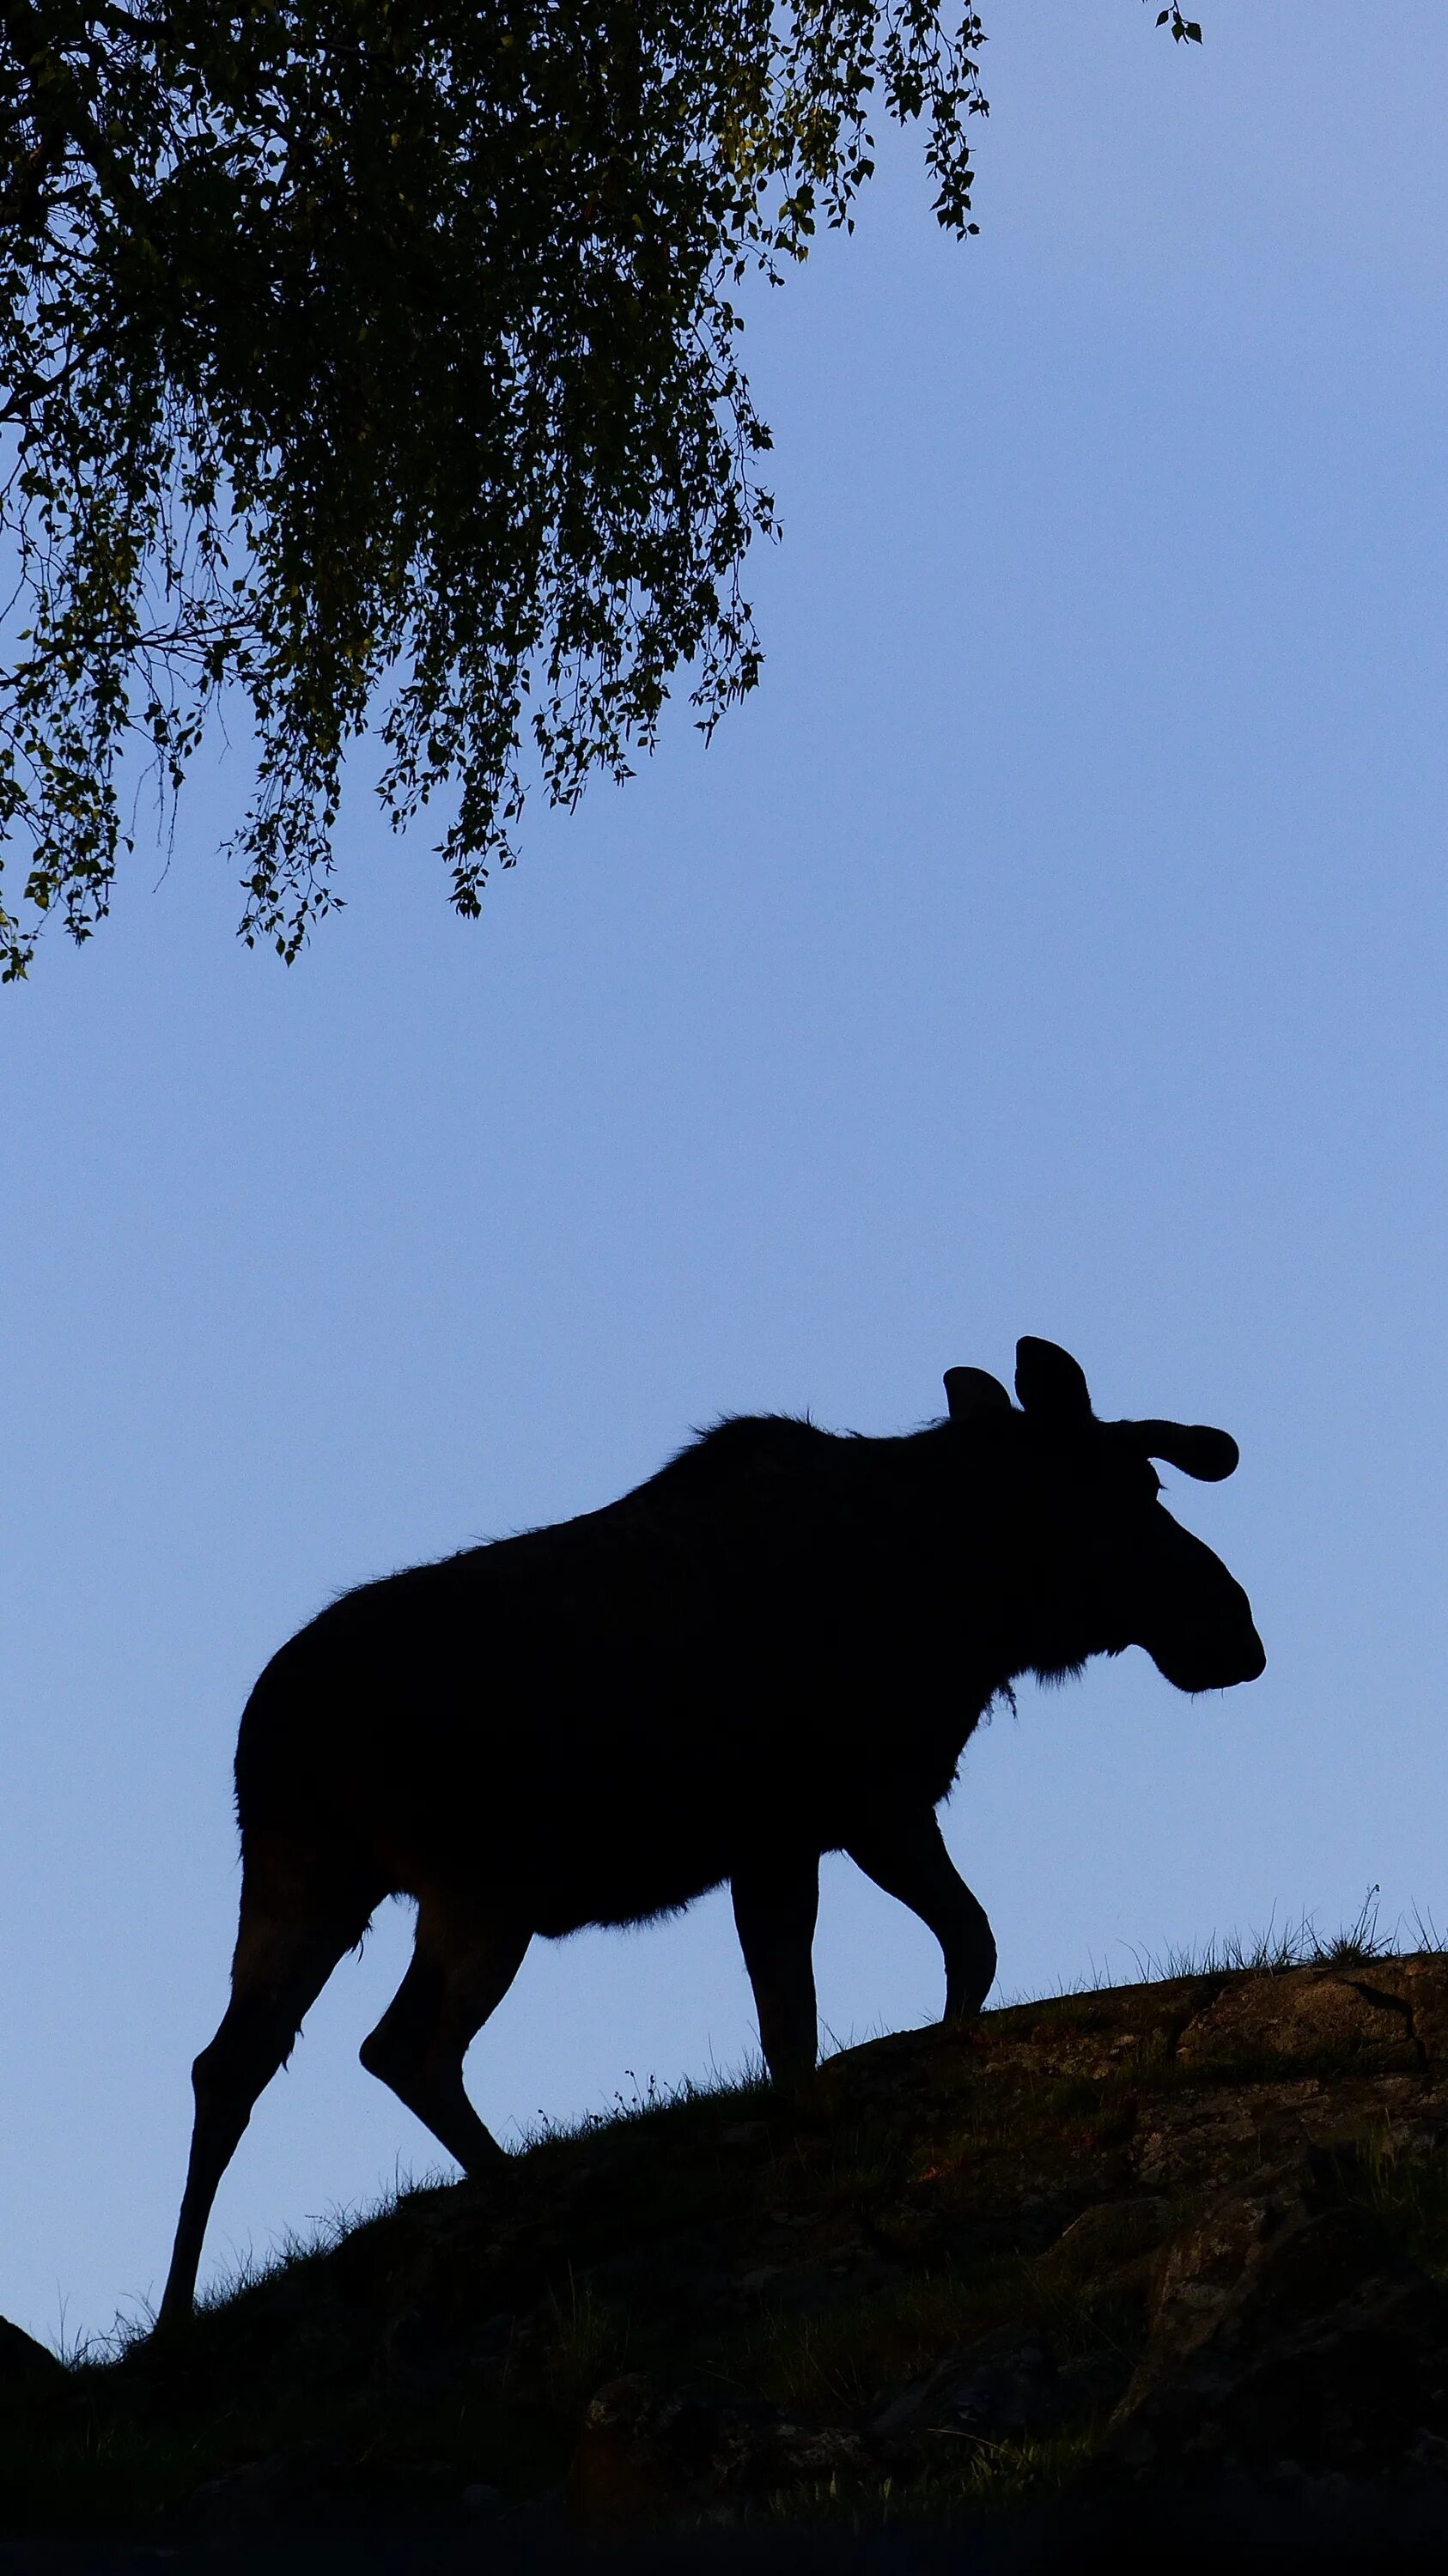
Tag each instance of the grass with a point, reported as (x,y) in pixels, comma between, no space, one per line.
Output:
(854,2355)
(1269,1952)
(646,2104)
(1402,2185)
(589,2344)
(321,2236)
(1274,1950)
(1301,1945)
(1021,2469)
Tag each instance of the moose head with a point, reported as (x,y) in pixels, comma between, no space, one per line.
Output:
(1089,1555)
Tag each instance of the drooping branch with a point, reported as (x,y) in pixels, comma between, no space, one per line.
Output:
(375,363)
(61,112)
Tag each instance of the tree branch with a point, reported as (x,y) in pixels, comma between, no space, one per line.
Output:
(61,110)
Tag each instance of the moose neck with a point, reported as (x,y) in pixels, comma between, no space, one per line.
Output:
(945,1554)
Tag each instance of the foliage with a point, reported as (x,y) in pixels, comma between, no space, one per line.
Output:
(379,363)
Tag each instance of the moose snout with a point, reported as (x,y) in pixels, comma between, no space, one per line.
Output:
(1209,1645)
(1211,1661)
(1254,1655)
(1219,1666)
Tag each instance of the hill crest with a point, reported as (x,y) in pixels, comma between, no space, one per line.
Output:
(1141,2234)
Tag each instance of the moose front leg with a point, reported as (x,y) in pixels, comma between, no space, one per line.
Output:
(775,1905)
(905,1854)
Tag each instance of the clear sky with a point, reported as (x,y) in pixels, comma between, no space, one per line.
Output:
(1055,945)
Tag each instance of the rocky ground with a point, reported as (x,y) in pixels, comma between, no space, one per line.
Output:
(1178,2248)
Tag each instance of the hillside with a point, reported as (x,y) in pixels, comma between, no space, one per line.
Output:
(1102,2245)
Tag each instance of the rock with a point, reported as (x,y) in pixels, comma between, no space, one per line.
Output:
(23,2361)
(1284,2330)
(288,2487)
(481,2502)
(1105,2238)
(1001,2383)
(1095,2044)
(1309,2015)
(322,2486)
(641,2451)
(647,2454)
(1424,1987)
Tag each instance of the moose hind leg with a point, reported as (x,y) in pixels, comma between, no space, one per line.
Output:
(286,1950)
(775,1906)
(463,1963)
(905,1854)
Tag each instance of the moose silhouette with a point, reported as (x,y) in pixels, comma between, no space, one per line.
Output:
(775,1648)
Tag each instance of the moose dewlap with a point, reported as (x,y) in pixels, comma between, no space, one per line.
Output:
(775,1648)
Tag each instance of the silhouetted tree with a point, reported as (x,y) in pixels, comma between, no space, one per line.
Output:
(376,359)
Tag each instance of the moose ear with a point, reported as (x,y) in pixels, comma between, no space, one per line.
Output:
(1049,1382)
(969,1391)
(1193,1446)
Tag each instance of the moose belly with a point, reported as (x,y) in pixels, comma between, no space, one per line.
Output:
(612,1811)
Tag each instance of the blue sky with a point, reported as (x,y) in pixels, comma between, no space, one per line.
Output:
(1056,945)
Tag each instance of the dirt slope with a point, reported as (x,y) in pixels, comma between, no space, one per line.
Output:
(1118,2241)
